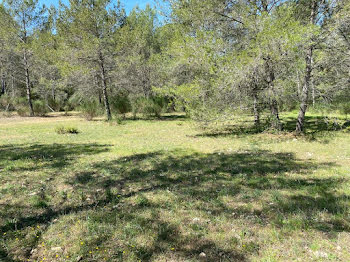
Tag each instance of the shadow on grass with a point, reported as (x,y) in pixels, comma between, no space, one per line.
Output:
(169,117)
(199,182)
(55,156)
(313,126)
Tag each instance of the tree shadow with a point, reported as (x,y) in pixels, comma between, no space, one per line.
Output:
(55,156)
(168,117)
(313,126)
(205,178)
(199,181)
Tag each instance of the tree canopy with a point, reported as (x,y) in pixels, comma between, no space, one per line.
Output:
(208,58)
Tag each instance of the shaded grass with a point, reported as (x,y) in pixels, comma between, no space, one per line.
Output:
(315,127)
(154,191)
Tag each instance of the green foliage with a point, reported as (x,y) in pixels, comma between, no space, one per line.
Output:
(21,106)
(6,102)
(148,107)
(121,104)
(40,108)
(56,104)
(345,109)
(90,109)
(66,130)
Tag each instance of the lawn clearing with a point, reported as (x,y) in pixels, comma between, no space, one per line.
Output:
(163,190)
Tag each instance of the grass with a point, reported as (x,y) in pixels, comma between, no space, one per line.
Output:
(163,190)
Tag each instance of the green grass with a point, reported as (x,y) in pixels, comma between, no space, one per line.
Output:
(164,190)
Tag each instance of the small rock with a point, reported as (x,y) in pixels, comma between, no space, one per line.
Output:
(195,220)
(202,255)
(79,258)
(321,254)
(338,247)
(56,249)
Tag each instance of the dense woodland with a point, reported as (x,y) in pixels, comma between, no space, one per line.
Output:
(208,58)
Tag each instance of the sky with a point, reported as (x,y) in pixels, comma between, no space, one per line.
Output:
(127,4)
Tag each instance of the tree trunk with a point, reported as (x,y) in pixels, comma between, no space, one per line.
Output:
(104,88)
(276,122)
(99,97)
(3,84)
(308,77)
(256,109)
(53,92)
(29,94)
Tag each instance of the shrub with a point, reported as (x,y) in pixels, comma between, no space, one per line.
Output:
(56,104)
(148,106)
(22,111)
(39,108)
(346,109)
(90,109)
(21,106)
(66,130)
(5,102)
(121,104)
(66,109)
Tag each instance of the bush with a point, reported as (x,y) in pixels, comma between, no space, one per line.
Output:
(21,106)
(121,104)
(66,130)
(55,104)
(5,102)
(66,109)
(346,109)
(39,108)
(148,106)
(90,109)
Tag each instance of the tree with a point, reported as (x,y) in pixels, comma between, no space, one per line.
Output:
(87,29)
(27,16)
(137,45)
(315,13)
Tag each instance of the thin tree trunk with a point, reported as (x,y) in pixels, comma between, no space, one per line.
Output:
(313,96)
(53,92)
(308,77)
(12,85)
(3,84)
(104,88)
(97,84)
(276,122)
(256,109)
(29,94)
(99,97)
